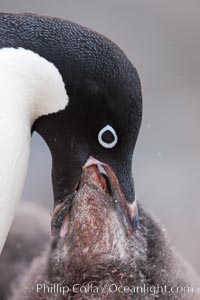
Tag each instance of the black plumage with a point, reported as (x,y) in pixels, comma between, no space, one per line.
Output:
(103,88)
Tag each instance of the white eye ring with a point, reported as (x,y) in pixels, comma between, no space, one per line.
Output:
(105,144)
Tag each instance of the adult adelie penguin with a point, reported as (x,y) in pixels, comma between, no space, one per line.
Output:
(101,84)
(98,238)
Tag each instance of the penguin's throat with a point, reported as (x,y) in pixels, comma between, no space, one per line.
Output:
(95,234)
(94,228)
(97,222)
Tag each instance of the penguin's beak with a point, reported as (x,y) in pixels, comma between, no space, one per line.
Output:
(98,187)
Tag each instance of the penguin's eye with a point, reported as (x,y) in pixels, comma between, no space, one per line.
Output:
(107,137)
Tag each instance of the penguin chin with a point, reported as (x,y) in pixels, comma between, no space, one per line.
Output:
(96,218)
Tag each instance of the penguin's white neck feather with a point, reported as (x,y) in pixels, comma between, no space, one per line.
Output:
(30,87)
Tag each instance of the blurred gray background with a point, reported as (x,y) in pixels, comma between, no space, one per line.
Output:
(162,39)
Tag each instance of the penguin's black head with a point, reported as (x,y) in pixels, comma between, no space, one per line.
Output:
(103,117)
(99,123)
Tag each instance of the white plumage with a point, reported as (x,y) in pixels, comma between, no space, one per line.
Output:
(30,87)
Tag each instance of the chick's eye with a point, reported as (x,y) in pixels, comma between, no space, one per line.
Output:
(107,137)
